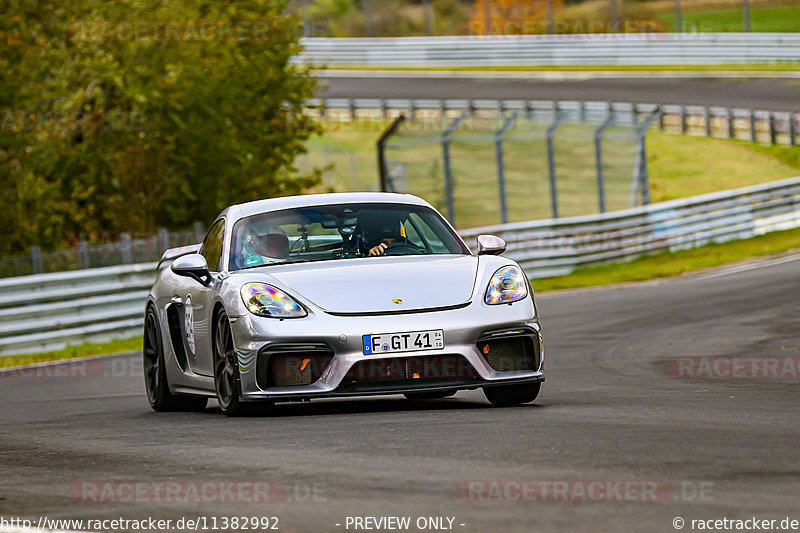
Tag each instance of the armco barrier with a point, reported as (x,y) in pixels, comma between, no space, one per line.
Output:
(48,311)
(554,50)
(557,246)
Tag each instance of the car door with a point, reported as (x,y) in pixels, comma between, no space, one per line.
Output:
(197,305)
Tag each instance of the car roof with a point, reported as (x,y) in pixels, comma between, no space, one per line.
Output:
(238,211)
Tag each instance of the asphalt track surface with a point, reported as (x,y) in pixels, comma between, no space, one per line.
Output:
(769,94)
(610,410)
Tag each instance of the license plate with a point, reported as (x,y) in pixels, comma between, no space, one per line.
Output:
(412,341)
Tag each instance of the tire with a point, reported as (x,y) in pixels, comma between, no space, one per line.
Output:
(433,395)
(508,395)
(227,382)
(155,372)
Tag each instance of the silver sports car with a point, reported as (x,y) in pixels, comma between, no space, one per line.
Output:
(318,296)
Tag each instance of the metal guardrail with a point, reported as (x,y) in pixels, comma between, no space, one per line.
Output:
(558,246)
(554,50)
(49,311)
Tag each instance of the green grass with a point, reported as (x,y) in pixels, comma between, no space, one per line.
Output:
(674,263)
(681,165)
(71,352)
(762,19)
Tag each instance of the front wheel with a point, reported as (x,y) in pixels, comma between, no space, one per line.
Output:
(155,372)
(226,372)
(226,369)
(508,395)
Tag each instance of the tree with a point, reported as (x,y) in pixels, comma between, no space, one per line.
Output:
(132,115)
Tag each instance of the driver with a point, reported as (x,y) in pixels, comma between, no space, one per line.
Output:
(388,234)
(265,249)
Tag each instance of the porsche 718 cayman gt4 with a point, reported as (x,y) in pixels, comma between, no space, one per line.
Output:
(330,295)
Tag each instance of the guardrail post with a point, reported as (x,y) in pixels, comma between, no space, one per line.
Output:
(351,107)
(383,167)
(551,162)
(773,133)
(753,131)
(83,252)
(582,111)
(449,184)
(598,158)
(36,259)
(412,109)
(501,176)
(682,117)
(792,129)
(126,248)
(661,121)
(707,117)
(383,108)
(731,124)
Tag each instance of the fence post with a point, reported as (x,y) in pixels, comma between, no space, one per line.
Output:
(792,129)
(412,109)
(598,157)
(641,176)
(753,132)
(501,176)
(383,166)
(163,239)
(83,252)
(707,117)
(661,122)
(551,162)
(36,259)
(199,232)
(449,184)
(773,133)
(683,118)
(126,248)
(731,124)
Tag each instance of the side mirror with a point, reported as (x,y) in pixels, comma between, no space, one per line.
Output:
(490,245)
(193,266)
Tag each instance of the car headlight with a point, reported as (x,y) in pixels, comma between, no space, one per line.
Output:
(265,300)
(507,285)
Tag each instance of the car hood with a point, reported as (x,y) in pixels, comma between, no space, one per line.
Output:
(382,284)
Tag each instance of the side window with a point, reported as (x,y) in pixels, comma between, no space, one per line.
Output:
(212,245)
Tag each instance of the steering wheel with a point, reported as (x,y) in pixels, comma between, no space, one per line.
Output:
(402,248)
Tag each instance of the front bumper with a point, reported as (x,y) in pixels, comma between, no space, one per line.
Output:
(257,338)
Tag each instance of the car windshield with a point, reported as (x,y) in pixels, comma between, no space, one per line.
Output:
(341,231)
